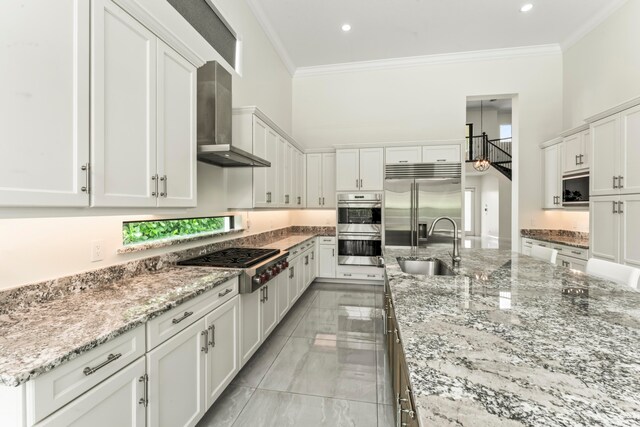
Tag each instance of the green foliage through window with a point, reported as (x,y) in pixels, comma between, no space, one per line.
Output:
(136,232)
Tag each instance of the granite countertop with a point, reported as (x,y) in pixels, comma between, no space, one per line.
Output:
(503,344)
(575,239)
(290,242)
(36,339)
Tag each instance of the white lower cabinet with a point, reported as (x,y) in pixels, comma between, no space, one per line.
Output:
(615,224)
(118,401)
(223,361)
(568,256)
(327,261)
(176,372)
(269,307)
(250,324)
(283,294)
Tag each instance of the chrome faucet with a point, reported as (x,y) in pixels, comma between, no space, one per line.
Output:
(455,257)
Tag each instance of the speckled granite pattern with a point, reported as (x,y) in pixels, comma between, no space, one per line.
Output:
(290,242)
(576,239)
(503,344)
(36,340)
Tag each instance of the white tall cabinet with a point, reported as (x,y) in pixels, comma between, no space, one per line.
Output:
(321,180)
(615,186)
(44,106)
(552,167)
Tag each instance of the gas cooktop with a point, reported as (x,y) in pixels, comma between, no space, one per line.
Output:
(232,258)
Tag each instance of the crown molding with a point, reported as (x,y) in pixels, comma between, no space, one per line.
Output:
(445,58)
(592,23)
(551,142)
(574,130)
(272,35)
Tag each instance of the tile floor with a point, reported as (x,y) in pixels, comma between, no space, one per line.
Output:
(324,365)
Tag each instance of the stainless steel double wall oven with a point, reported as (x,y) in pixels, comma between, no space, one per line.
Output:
(360,229)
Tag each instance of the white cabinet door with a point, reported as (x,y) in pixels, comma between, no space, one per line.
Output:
(281,169)
(314,180)
(403,155)
(176,133)
(283,293)
(113,402)
(295,273)
(348,170)
(223,358)
(629,207)
(605,157)
(269,307)
(572,263)
(299,180)
(250,324)
(176,372)
(271,154)
(441,153)
(44,103)
(630,151)
(260,174)
(571,150)
(328,180)
(372,169)
(586,149)
(288,170)
(552,177)
(605,228)
(306,272)
(314,262)
(327,261)
(123,109)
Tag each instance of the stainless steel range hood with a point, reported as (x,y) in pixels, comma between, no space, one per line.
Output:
(215,121)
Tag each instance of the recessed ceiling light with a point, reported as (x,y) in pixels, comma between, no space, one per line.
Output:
(526,8)
(346,27)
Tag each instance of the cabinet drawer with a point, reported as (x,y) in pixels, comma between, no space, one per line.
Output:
(170,323)
(572,252)
(440,153)
(327,240)
(403,155)
(60,386)
(360,276)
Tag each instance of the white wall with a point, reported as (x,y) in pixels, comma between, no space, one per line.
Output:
(41,244)
(487,121)
(601,70)
(428,102)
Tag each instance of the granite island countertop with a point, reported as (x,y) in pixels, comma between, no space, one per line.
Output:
(504,344)
(36,339)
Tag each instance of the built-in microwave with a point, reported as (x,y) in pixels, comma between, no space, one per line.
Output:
(575,190)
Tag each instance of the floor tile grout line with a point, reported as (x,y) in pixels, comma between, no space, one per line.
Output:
(317,395)
(245,404)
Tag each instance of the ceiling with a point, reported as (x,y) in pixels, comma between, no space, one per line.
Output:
(308,32)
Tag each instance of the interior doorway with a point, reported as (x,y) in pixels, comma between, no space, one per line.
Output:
(489,169)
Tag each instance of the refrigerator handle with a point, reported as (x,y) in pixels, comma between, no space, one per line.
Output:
(411,216)
(416,226)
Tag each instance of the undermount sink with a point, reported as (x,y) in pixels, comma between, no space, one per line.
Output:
(429,267)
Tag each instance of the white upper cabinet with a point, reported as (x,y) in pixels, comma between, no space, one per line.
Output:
(321,180)
(552,177)
(360,169)
(299,179)
(348,170)
(143,101)
(44,103)
(371,169)
(575,152)
(176,136)
(403,155)
(265,180)
(123,109)
(441,153)
(616,153)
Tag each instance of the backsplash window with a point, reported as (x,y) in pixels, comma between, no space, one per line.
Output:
(145,231)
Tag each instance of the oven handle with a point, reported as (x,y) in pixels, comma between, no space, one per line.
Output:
(359,236)
(373,205)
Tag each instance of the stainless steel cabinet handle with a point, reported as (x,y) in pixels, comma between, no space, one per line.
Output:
(286,199)
(333,252)
(313,255)
(577,163)
(620,181)
(357,186)
(205,348)
(576,252)
(154,178)
(395,331)
(144,401)
(268,196)
(615,207)
(262,295)
(581,156)
(323,201)
(163,180)
(226,291)
(212,340)
(346,274)
(291,273)
(110,358)
(299,200)
(87,169)
(306,260)
(180,319)
(620,204)
(360,182)
(319,201)
(615,182)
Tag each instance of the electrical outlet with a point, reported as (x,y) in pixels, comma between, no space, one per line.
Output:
(97,250)
(248,225)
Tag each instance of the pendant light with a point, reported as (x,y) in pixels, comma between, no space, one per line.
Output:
(481,163)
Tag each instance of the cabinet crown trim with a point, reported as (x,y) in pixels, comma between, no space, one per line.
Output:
(252,109)
(551,142)
(574,130)
(614,110)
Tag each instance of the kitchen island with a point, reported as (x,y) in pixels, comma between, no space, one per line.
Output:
(511,340)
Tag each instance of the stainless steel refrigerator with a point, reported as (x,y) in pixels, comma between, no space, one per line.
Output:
(417,194)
